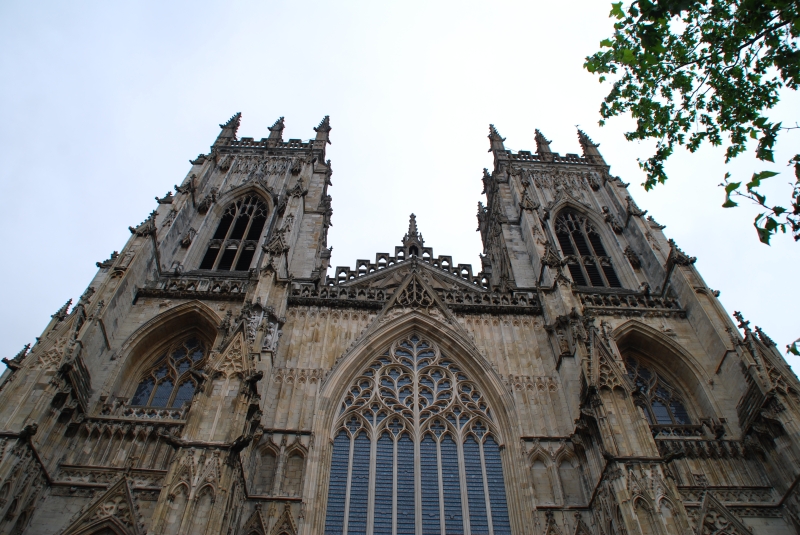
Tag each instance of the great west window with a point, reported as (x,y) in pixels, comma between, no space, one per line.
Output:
(415,451)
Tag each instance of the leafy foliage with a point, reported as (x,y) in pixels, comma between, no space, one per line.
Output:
(695,71)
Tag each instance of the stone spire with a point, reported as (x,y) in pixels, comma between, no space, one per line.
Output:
(542,144)
(413,237)
(324,129)
(229,130)
(589,147)
(276,130)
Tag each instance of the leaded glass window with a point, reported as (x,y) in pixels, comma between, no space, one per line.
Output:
(415,451)
(663,404)
(234,243)
(587,260)
(169,382)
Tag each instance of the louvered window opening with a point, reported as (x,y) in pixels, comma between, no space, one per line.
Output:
(234,243)
(415,451)
(169,382)
(664,405)
(587,260)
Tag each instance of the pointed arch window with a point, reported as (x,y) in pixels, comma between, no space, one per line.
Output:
(662,403)
(233,245)
(587,259)
(170,382)
(415,445)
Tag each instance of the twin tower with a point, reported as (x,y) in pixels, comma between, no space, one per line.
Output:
(217,377)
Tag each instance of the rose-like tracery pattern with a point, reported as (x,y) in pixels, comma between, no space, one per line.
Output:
(432,430)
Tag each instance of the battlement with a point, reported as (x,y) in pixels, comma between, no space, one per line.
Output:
(344,274)
(528,156)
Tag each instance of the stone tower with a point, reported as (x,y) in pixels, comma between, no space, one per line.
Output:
(214,379)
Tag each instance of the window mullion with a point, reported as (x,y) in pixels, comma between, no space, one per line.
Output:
(394,485)
(222,247)
(416,438)
(349,481)
(462,476)
(241,246)
(441,488)
(486,490)
(373,455)
(579,256)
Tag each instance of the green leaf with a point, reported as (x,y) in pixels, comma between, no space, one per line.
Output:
(616,11)
(628,58)
(732,186)
(729,203)
(606,43)
(793,349)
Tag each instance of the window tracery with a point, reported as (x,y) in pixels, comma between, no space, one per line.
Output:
(430,429)
(234,243)
(587,260)
(662,403)
(170,381)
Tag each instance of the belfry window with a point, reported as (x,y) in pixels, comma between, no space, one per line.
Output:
(415,444)
(234,243)
(662,402)
(170,382)
(587,260)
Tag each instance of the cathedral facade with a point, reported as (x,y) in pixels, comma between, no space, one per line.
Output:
(216,378)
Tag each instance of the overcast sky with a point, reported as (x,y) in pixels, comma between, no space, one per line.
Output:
(104,103)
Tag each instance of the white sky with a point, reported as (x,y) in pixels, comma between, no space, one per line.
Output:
(103,103)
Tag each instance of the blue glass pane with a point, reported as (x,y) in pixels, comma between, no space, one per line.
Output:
(451,487)
(161,372)
(405,486)
(359,486)
(479,524)
(143,392)
(178,354)
(191,342)
(183,366)
(384,461)
(497,488)
(679,411)
(661,413)
(163,391)
(431,524)
(337,488)
(185,393)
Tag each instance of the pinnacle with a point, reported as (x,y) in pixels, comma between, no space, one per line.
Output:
(412,226)
(324,125)
(494,134)
(233,122)
(585,139)
(278,124)
(542,143)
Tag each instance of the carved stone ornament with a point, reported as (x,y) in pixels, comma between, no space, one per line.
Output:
(632,257)
(186,241)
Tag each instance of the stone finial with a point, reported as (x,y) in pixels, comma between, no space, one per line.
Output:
(542,144)
(743,325)
(324,125)
(229,129)
(61,313)
(589,147)
(323,129)
(413,237)
(276,130)
(495,139)
(233,124)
